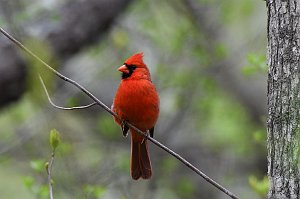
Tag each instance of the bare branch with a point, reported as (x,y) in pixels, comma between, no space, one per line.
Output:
(100,103)
(49,166)
(60,107)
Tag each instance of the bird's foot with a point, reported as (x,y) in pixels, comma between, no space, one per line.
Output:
(125,128)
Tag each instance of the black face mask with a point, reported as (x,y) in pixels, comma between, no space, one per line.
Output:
(131,68)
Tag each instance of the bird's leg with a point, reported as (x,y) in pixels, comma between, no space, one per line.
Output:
(125,128)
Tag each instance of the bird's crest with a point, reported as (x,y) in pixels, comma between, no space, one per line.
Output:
(136,60)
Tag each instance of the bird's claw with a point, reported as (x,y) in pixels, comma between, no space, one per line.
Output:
(125,128)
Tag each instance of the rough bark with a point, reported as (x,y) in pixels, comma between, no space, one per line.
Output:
(283,98)
(82,23)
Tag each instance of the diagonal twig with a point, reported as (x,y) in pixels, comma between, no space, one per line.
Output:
(101,104)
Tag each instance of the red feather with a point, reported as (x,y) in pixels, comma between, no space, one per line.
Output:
(137,102)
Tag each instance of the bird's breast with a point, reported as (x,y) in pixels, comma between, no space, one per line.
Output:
(137,101)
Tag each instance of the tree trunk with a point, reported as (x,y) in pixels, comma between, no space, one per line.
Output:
(283,98)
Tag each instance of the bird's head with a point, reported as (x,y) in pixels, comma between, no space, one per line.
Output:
(134,68)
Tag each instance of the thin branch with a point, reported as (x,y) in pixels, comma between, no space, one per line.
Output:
(100,103)
(60,107)
(49,172)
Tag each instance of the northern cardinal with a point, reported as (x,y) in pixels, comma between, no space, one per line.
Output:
(137,102)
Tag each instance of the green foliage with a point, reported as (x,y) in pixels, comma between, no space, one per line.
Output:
(260,187)
(42,49)
(256,64)
(166,193)
(164,23)
(179,65)
(65,148)
(16,114)
(94,191)
(107,127)
(39,190)
(123,162)
(169,164)
(72,101)
(224,122)
(185,187)
(120,38)
(11,117)
(220,51)
(235,10)
(31,10)
(28,181)
(54,139)
(260,136)
(34,185)
(38,165)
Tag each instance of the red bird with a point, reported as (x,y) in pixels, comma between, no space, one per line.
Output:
(137,102)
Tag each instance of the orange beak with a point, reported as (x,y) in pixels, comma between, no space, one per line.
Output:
(123,69)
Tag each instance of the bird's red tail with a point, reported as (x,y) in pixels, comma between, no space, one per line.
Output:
(140,160)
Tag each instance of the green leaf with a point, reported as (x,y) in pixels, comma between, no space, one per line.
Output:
(43,191)
(256,64)
(28,181)
(54,138)
(37,165)
(260,187)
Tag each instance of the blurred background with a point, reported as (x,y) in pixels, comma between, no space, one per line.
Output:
(207,60)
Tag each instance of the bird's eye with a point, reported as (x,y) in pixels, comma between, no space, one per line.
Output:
(131,67)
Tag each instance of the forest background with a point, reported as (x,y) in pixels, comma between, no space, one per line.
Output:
(207,60)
